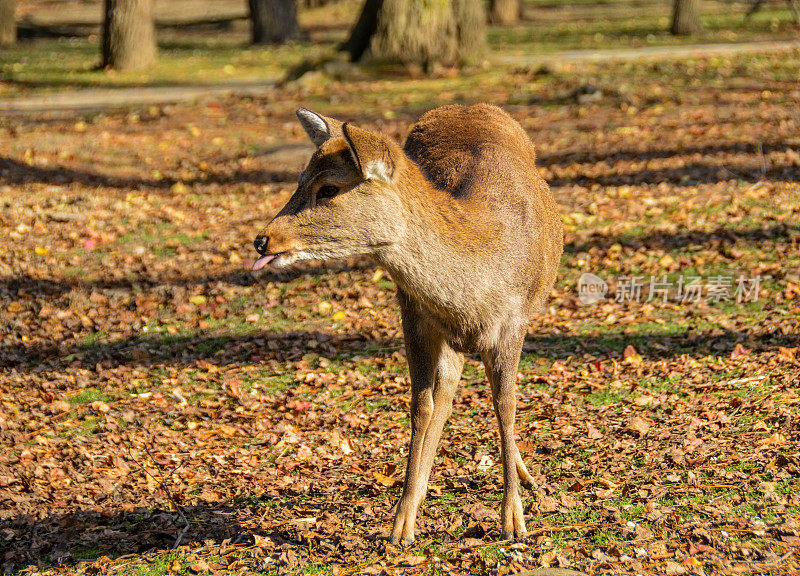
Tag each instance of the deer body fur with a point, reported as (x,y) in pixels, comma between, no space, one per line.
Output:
(470,234)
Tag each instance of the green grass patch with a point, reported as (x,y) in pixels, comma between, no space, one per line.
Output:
(161,566)
(322,568)
(87,396)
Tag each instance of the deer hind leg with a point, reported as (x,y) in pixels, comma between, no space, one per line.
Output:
(435,371)
(501,369)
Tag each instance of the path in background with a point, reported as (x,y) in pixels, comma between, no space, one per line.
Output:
(647,52)
(102,98)
(97,99)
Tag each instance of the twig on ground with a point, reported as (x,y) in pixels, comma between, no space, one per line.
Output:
(166,491)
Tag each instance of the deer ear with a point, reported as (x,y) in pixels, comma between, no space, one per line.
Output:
(375,154)
(319,128)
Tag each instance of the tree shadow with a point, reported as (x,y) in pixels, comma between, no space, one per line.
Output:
(286,346)
(42,288)
(169,85)
(88,534)
(85,535)
(187,349)
(584,156)
(690,174)
(656,344)
(24,285)
(18,173)
(28,30)
(723,235)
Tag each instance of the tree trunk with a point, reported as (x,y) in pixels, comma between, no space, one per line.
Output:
(273,21)
(686,17)
(470,18)
(8,26)
(419,31)
(363,30)
(504,11)
(129,39)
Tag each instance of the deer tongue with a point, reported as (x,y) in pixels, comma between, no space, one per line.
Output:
(263,261)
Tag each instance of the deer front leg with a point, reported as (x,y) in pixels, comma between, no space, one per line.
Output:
(413,489)
(435,371)
(501,369)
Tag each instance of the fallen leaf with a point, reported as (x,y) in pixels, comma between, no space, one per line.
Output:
(639,424)
(100,406)
(631,356)
(739,351)
(384,480)
(592,432)
(776,438)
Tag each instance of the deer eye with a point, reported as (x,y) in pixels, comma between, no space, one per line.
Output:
(326,191)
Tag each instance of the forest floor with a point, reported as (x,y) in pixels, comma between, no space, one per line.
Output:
(153,389)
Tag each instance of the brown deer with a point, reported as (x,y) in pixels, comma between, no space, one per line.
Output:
(469,232)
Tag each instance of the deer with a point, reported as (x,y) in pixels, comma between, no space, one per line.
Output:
(470,234)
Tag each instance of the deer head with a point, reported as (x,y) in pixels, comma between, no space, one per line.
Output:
(347,200)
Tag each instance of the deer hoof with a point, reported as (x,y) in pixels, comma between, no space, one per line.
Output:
(395,540)
(512,518)
(512,535)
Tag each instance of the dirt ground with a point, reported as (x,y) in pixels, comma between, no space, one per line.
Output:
(152,389)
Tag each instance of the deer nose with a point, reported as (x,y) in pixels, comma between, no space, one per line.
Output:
(260,244)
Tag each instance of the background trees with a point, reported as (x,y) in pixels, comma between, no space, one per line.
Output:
(273,21)
(129,40)
(8,27)
(423,32)
(504,11)
(685,17)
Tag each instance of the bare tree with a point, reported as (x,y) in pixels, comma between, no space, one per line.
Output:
(420,32)
(129,39)
(8,26)
(686,17)
(504,11)
(273,21)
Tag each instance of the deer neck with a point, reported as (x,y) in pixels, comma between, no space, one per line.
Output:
(440,257)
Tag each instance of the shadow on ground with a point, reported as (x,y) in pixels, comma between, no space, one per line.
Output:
(692,172)
(89,534)
(717,238)
(259,345)
(634,155)
(26,286)
(15,172)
